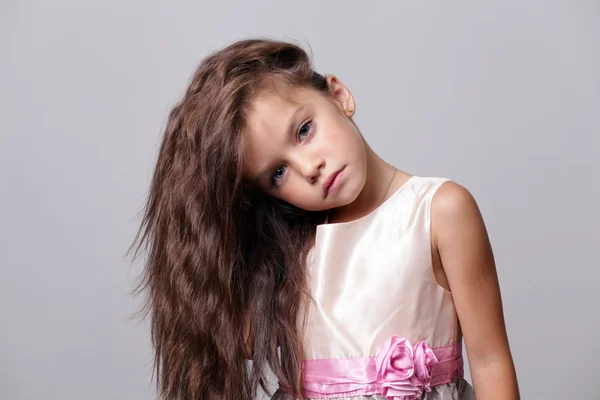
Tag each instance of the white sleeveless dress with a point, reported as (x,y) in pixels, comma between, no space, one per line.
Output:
(379,326)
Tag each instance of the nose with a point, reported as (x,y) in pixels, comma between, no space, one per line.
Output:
(310,167)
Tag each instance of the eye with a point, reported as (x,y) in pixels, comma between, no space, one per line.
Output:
(277,176)
(305,130)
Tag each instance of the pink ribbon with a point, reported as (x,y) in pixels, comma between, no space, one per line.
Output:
(399,371)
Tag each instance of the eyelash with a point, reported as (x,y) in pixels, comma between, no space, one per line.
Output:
(274,181)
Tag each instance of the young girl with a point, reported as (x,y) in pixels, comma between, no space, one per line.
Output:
(275,234)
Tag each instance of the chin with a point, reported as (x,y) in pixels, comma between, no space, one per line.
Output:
(354,192)
(346,200)
(312,207)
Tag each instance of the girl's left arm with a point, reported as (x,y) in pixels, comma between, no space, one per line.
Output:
(461,238)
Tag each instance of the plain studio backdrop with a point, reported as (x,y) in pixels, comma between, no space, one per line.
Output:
(501,96)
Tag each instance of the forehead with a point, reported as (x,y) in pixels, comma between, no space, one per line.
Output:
(275,105)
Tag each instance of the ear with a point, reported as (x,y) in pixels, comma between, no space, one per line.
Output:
(341,95)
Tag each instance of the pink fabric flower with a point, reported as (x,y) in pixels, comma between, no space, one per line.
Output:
(424,361)
(404,371)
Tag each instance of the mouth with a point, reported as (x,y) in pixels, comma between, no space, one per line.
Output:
(331,179)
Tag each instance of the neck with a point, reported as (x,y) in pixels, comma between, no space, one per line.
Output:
(378,181)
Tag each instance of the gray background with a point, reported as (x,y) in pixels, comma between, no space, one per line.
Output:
(501,96)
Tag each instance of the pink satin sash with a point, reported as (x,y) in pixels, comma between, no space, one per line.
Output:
(400,370)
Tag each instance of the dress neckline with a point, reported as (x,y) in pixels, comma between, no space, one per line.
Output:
(371,214)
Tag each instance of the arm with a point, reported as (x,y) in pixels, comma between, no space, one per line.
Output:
(460,237)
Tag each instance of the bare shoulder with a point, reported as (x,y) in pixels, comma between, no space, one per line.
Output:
(453,199)
(452,207)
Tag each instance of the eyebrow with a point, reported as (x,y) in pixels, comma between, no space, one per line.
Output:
(267,169)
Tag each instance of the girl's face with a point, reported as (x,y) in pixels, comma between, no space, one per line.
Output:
(304,149)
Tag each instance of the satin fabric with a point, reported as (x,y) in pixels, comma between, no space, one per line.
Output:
(362,376)
(458,389)
(372,278)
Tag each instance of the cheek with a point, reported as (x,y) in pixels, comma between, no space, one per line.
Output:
(295,193)
(345,131)
(300,196)
(289,192)
(336,138)
(351,143)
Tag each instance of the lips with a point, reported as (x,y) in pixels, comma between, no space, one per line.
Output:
(329,181)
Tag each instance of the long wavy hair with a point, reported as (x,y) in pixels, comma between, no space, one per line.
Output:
(224,276)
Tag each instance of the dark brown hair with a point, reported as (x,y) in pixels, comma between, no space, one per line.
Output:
(224,277)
